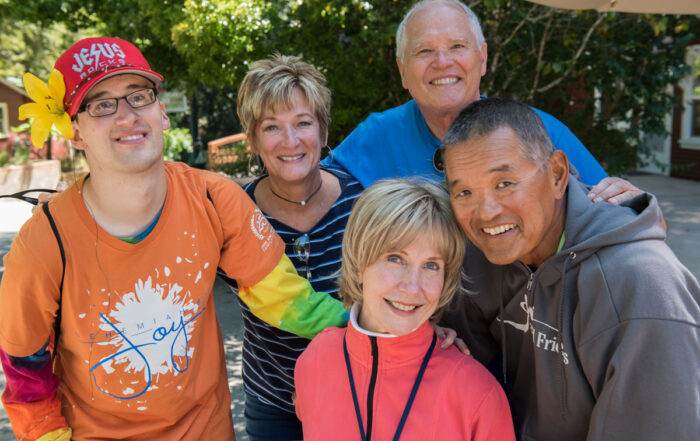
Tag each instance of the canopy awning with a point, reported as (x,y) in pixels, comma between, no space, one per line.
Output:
(639,6)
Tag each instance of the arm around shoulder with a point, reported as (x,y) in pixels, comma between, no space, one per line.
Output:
(253,254)
(287,301)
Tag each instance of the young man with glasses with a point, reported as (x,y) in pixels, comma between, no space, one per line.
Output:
(122,266)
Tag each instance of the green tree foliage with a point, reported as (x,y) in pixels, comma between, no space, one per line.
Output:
(605,75)
(177,144)
(30,47)
(352,42)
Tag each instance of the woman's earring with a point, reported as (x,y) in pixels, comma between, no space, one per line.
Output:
(330,154)
(250,165)
(258,168)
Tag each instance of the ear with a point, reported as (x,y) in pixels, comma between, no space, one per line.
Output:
(164,116)
(559,173)
(77,140)
(484,58)
(401,72)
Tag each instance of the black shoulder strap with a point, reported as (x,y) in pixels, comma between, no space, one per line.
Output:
(57,325)
(219,271)
(210,198)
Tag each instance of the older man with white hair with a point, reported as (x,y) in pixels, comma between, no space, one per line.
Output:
(442,54)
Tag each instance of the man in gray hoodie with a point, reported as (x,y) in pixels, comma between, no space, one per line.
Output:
(597,321)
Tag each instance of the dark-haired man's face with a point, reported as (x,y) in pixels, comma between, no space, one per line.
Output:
(509,207)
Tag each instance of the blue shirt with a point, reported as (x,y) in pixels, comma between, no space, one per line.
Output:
(398,143)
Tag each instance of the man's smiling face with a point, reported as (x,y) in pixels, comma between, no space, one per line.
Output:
(509,207)
(442,62)
(130,140)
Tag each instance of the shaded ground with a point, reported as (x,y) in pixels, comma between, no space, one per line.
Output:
(680,202)
(229,314)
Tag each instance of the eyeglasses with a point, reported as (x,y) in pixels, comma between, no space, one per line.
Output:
(109,106)
(21,195)
(302,246)
(439,159)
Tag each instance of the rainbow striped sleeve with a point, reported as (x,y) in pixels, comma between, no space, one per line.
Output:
(58,435)
(287,301)
(30,398)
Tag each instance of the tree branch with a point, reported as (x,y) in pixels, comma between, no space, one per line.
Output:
(540,54)
(520,25)
(500,46)
(580,50)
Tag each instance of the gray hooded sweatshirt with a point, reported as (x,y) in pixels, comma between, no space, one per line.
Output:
(602,341)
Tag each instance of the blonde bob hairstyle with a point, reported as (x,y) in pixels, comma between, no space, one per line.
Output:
(389,216)
(270,84)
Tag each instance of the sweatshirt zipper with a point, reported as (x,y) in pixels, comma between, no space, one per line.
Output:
(530,295)
(372,383)
(501,315)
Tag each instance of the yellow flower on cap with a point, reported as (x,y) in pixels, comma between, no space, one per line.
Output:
(47,110)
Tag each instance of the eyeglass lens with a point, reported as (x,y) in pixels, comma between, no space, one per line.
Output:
(108,106)
(302,247)
(438,160)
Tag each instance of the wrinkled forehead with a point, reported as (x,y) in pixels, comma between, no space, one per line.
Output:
(439,19)
(501,143)
(480,157)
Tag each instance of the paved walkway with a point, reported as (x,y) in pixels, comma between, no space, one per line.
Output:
(680,203)
(679,199)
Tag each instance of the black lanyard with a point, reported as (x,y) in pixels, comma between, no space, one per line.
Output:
(411,397)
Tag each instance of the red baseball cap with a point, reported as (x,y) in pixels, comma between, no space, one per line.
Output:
(91,60)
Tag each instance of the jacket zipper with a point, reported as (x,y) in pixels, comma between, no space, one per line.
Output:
(530,295)
(372,383)
(501,315)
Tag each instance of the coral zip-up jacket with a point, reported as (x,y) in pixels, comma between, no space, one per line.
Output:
(457,399)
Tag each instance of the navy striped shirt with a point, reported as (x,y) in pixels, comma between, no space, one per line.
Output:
(269,354)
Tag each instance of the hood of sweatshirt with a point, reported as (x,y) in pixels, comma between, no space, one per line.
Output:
(554,324)
(590,226)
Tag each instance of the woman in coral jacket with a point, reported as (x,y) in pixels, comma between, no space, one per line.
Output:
(381,379)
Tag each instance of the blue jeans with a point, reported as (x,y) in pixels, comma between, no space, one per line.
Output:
(269,423)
